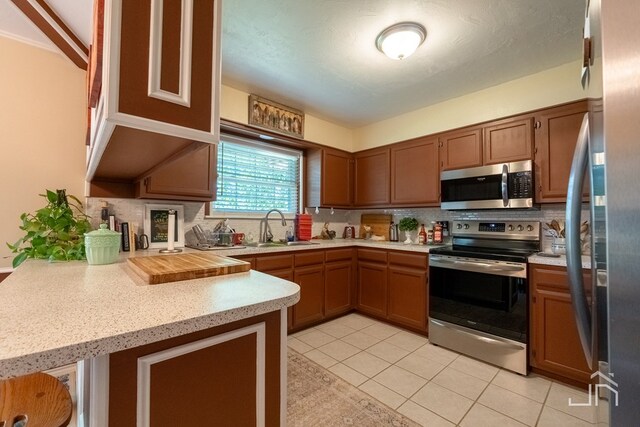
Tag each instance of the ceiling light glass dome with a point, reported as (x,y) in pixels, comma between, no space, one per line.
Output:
(401,40)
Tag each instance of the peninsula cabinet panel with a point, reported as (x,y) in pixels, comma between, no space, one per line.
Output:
(408,296)
(555,343)
(461,149)
(555,140)
(415,173)
(372,288)
(372,177)
(310,308)
(338,287)
(508,141)
(191,177)
(210,376)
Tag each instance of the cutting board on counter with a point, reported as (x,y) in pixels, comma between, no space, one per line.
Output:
(171,268)
(379,224)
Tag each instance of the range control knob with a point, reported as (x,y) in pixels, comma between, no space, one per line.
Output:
(520,228)
(466,226)
(510,227)
(459,226)
(529,228)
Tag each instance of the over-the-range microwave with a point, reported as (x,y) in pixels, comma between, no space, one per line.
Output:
(501,186)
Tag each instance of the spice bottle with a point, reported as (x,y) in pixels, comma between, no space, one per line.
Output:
(437,233)
(445,229)
(422,235)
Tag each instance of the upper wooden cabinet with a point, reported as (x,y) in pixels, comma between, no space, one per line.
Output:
(372,177)
(555,140)
(508,140)
(461,149)
(415,173)
(160,86)
(329,178)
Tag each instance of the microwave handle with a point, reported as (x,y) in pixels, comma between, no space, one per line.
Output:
(505,191)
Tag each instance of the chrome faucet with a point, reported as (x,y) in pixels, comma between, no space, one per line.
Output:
(265,229)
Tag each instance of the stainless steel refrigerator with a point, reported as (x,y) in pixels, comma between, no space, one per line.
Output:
(608,151)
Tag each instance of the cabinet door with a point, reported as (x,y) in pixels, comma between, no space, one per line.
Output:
(555,140)
(337,178)
(508,141)
(310,307)
(372,288)
(415,175)
(190,177)
(555,343)
(338,282)
(408,296)
(461,149)
(372,177)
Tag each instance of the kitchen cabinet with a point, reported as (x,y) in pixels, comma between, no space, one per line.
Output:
(508,140)
(415,173)
(372,282)
(329,178)
(159,95)
(310,308)
(556,134)
(461,148)
(555,343)
(408,281)
(338,281)
(372,177)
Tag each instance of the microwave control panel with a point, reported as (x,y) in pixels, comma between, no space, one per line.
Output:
(520,185)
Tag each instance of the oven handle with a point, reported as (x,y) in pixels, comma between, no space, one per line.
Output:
(478,267)
(495,341)
(505,192)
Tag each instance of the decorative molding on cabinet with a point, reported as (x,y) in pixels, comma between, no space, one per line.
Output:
(183,97)
(145,363)
(99,391)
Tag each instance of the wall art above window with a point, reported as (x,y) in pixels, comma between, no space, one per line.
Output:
(275,117)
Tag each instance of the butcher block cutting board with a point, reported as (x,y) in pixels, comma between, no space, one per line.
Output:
(379,224)
(171,268)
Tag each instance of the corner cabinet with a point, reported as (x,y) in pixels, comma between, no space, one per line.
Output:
(159,96)
(415,173)
(329,180)
(556,135)
(372,177)
(555,343)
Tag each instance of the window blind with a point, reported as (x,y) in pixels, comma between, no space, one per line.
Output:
(255,177)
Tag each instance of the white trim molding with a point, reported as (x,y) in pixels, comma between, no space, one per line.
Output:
(99,391)
(284,348)
(144,369)
(183,97)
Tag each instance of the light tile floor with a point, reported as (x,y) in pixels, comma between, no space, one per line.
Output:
(435,386)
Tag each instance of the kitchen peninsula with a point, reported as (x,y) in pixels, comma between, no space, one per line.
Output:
(213,348)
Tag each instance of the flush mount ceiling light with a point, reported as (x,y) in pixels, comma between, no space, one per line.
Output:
(401,40)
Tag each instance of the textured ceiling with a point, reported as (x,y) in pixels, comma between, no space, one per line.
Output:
(320,56)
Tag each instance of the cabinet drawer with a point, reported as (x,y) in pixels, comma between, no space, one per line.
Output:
(338,255)
(274,262)
(555,278)
(372,255)
(410,260)
(309,258)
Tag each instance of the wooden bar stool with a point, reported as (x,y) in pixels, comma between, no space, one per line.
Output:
(34,400)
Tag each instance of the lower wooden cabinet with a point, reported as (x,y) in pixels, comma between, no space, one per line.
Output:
(555,344)
(338,286)
(372,288)
(310,308)
(408,296)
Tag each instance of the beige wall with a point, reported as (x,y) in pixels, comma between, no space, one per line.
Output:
(42,128)
(234,105)
(549,87)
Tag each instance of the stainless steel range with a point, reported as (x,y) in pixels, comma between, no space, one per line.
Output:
(478,291)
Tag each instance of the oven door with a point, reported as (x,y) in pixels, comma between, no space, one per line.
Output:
(484,295)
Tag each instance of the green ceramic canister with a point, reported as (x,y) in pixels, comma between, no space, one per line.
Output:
(102,245)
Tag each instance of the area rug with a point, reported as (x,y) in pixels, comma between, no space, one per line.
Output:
(317,397)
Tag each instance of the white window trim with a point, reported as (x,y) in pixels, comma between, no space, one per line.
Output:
(221,214)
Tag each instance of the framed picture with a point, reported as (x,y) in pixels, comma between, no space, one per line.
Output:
(275,117)
(156,225)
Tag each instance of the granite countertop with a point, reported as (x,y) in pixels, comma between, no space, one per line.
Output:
(53,314)
(559,261)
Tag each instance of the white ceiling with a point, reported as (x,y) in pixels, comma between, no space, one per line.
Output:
(320,55)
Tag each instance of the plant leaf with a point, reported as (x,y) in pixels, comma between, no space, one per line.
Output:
(19,259)
(52,197)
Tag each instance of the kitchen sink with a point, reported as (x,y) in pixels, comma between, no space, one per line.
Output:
(281,244)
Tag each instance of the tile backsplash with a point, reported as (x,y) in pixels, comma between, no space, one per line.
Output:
(132,211)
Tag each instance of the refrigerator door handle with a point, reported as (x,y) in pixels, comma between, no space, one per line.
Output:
(574,259)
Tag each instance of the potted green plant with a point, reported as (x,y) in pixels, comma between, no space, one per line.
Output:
(408,224)
(54,232)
